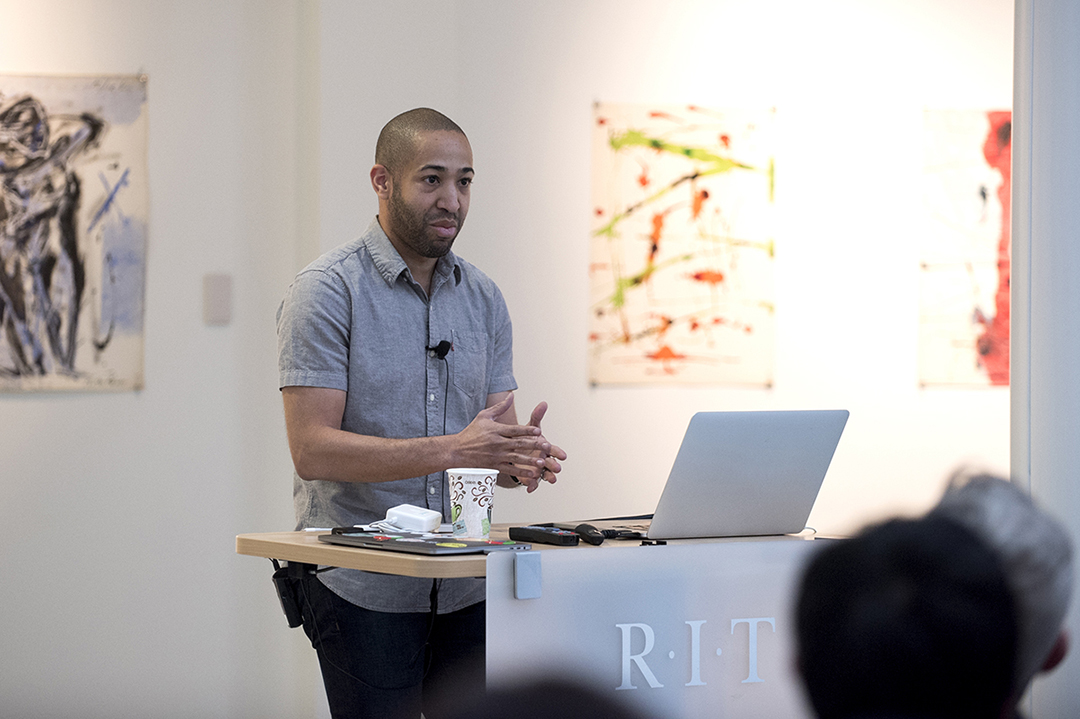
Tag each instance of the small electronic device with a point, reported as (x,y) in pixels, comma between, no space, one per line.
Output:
(286,582)
(590,534)
(544,535)
(414,519)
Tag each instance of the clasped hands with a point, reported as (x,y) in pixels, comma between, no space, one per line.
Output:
(517,450)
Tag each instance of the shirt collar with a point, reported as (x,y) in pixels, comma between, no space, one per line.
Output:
(389,263)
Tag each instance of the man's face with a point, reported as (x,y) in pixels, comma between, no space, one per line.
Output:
(429,195)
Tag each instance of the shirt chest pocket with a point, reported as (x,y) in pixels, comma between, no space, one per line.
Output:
(468,363)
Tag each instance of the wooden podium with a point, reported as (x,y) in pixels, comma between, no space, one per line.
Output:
(689,628)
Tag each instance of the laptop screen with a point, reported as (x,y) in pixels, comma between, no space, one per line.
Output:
(747,473)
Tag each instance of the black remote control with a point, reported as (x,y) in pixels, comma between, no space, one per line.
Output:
(544,535)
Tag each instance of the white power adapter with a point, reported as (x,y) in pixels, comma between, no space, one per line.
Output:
(414,519)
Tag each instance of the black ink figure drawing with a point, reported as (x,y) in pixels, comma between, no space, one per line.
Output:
(42,272)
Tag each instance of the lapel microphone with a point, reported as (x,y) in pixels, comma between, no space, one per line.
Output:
(440,350)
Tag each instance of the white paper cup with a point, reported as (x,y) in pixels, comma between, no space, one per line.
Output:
(471,493)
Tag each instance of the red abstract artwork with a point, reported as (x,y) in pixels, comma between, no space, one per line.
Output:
(965,259)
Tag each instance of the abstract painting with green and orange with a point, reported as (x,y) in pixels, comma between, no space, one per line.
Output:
(681,257)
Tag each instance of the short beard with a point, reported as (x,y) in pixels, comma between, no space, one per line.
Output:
(412,229)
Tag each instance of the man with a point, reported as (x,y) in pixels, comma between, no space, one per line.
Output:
(909,619)
(1036,554)
(395,365)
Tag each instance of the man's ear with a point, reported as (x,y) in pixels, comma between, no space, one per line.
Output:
(1057,652)
(381,181)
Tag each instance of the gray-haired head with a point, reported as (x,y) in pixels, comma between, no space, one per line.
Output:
(397,141)
(1035,552)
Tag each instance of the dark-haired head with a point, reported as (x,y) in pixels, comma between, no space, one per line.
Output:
(909,618)
(397,140)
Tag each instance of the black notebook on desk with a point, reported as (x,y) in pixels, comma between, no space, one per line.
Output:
(414,543)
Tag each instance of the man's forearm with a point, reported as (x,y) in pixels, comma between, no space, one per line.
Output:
(322,451)
(339,456)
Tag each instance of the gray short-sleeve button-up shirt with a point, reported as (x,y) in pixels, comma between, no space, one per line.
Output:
(355,320)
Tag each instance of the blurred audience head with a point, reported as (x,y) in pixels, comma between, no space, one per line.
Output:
(1036,555)
(910,618)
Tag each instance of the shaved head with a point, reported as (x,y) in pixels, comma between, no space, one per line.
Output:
(397,141)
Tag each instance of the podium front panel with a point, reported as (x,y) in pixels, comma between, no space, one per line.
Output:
(680,630)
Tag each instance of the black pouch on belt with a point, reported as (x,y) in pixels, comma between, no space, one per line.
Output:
(287,584)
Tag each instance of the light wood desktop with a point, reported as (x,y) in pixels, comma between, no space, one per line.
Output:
(304,547)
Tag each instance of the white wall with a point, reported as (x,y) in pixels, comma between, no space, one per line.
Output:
(121,595)
(263,117)
(850,81)
(1046,393)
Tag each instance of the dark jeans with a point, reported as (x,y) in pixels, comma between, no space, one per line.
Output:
(377,665)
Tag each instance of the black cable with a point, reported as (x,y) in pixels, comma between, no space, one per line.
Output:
(446,393)
(318,635)
(434,599)
(431,625)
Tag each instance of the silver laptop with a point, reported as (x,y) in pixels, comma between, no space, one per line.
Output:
(740,474)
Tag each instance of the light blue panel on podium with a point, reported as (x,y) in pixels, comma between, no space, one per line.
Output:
(682,630)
